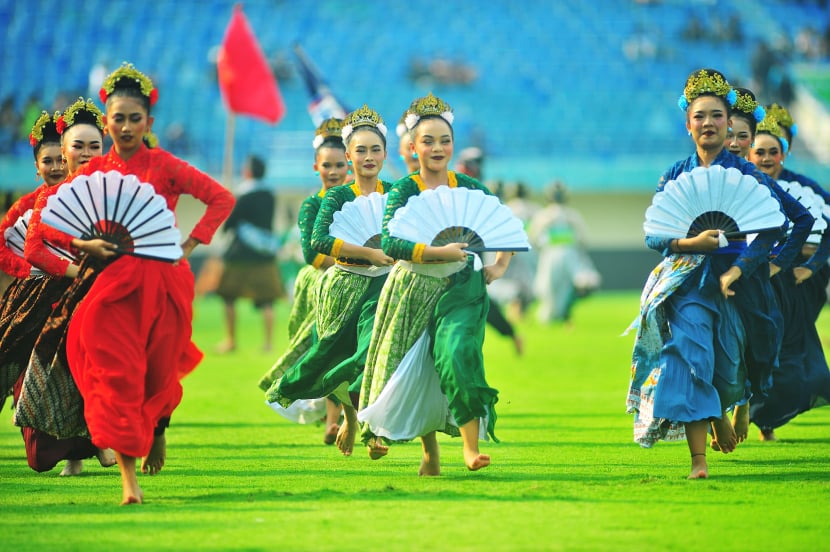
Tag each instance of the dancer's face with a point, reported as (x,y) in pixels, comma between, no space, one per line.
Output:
(80,144)
(739,139)
(706,119)
(332,165)
(434,144)
(49,164)
(127,121)
(767,154)
(367,153)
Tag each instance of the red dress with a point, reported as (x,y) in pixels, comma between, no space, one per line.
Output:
(129,340)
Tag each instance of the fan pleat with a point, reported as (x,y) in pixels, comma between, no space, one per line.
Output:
(713,198)
(813,202)
(117,208)
(359,221)
(461,215)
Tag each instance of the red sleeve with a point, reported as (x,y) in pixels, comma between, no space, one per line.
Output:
(36,251)
(219,201)
(10,262)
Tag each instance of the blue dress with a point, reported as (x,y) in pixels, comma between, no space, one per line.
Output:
(689,356)
(802,380)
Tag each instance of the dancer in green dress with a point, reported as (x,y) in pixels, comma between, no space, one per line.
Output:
(331,165)
(433,306)
(348,292)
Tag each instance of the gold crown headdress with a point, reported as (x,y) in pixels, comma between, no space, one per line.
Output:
(365,116)
(429,105)
(747,105)
(127,71)
(44,128)
(783,117)
(770,125)
(68,118)
(330,128)
(704,82)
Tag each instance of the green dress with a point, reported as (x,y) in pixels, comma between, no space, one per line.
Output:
(443,305)
(306,290)
(345,316)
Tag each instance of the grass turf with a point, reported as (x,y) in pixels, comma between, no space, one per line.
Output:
(566,475)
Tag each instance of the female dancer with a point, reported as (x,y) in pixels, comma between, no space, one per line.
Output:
(692,327)
(802,380)
(130,381)
(331,165)
(43,398)
(18,327)
(349,292)
(432,296)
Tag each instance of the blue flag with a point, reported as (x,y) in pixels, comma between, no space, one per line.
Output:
(324,104)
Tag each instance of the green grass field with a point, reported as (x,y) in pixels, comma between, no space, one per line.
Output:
(566,475)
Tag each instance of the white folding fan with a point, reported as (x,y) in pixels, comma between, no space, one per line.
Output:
(813,202)
(16,238)
(459,215)
(119,209)
(713,198)
(360,221)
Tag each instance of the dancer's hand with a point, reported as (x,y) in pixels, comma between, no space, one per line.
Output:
(98,248)
(450,252)
(727,279)
(774,269)
(706,241)
(378,258)
(802,274)
(493,272)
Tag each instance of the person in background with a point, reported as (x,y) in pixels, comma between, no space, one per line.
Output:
(250,260)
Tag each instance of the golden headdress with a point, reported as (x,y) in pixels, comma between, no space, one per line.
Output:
(89,114)
(330,128)
(45,129)
(783,117)
(127,71)
(770,125)
(365,116)
(706,81)
(428,106)
(747,104)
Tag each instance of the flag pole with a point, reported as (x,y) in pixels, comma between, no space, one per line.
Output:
(227,163)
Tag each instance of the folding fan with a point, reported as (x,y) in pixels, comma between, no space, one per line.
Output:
(813,202)
(713,198)
(360,221)
(16,238)
(119,209)
(459,215)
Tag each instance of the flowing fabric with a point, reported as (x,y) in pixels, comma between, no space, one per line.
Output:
(122,349)
(346,308)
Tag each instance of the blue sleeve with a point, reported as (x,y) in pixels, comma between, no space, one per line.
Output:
(757,252)
(802,222)
(661,245)
(821,255)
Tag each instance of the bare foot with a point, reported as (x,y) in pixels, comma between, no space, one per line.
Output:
(131,492)
(740,421)
(700,469)
(348,431)
(225,347)
(153,462)
(377,450)
(725,434)
(475,460)
(106,457)
(72,467)
(430,462)
(768,435)
(714,444)
(331,434)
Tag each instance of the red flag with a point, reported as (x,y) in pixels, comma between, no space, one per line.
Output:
(245,79)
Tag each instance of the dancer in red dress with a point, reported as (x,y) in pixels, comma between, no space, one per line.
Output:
(129,375)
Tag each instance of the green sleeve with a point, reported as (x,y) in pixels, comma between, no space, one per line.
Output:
(335,198)
(398,195)
(308,214)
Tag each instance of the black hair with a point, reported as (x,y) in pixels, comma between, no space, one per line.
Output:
(369,128)
(50,136)
(748,117)
(334,142)
(426,117)
(85,117)
(257,167)
(128,88)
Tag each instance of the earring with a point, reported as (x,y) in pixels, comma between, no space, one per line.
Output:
(37,177)
(415,155)
(729,129)
(689,132)
(350,162)
(316,173)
